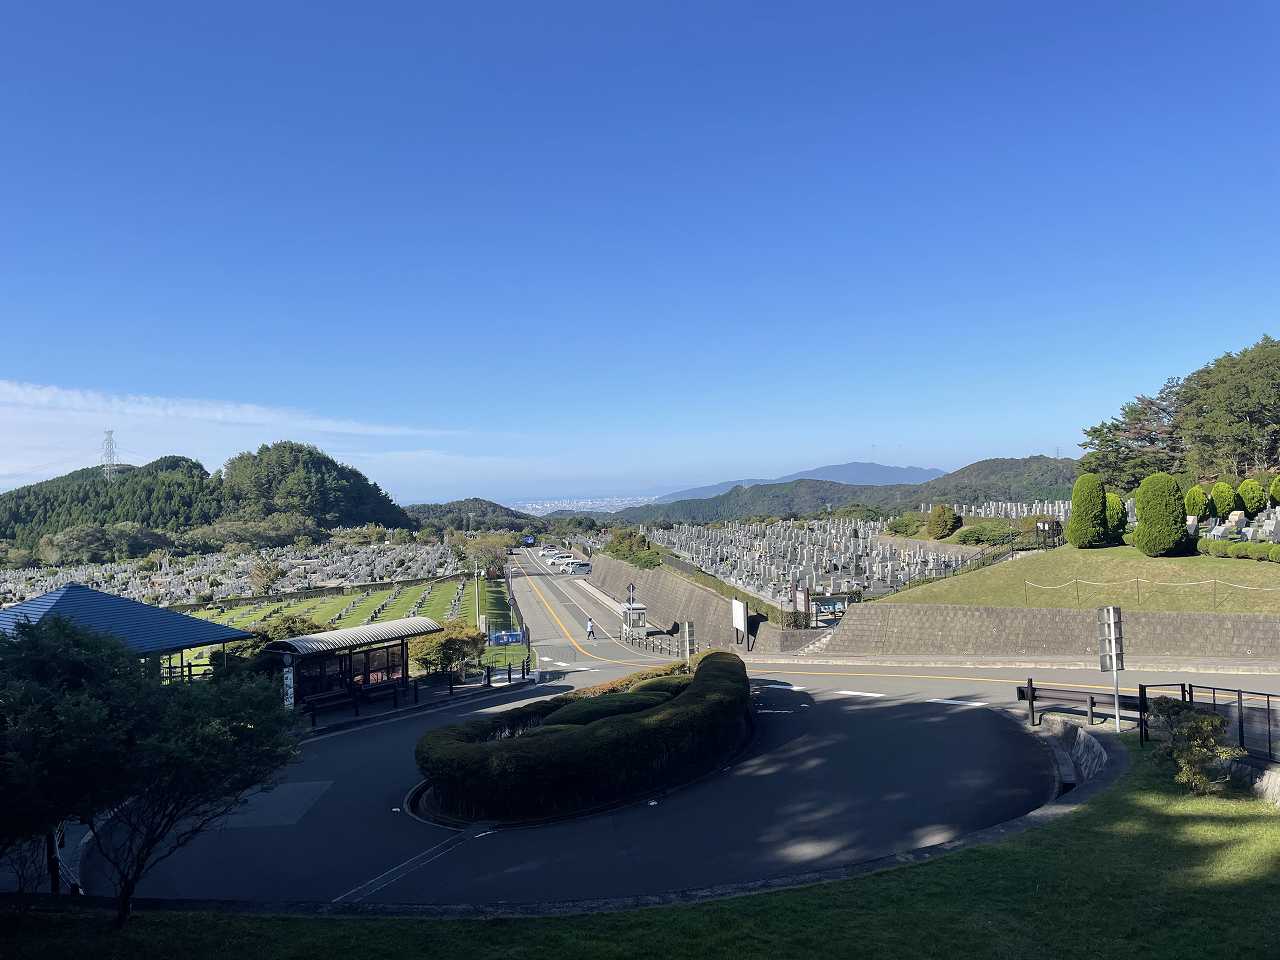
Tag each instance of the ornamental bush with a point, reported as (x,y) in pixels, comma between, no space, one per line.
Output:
(1087,526)
(1223,499)
(611,705)
(1196,502)
(1161,528)
(1204,547)
(1117,517)
(497,768)
(1238,550)
(1192,739)
(943,522)
(1274,554)
(1251,496)
(1275,492)
(1219,548)
(1259,551)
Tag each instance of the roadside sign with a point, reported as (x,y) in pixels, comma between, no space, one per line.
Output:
(1111,649)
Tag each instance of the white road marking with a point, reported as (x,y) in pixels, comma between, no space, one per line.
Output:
(959,703)
(775,711)
(778,686)
(859,693)
(400,870)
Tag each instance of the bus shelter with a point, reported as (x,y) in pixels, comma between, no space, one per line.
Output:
(341,663)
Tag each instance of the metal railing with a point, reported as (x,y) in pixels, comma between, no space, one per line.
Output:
(1253,717)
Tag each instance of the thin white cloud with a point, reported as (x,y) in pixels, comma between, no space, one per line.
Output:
(40,397)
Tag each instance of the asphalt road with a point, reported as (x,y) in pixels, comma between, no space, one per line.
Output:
(848,764)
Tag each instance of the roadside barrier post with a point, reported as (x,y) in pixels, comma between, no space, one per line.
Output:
(488,676)
(508,673)
(1142,715)
(1031,702)
(1240,716)
(1091,709)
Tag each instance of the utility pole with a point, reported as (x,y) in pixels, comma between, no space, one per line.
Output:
(476,569)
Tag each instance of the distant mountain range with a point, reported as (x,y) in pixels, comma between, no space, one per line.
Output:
(1026,478)
(854,472)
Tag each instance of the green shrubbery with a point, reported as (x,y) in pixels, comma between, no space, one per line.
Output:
(986,532)
(1223,499)
(1192,739)
(1252,498)
(1117,517)
(1196,502)
(633,547)
(592,709)
(497,768)
(943,522)
(1087,526)
(1161,528)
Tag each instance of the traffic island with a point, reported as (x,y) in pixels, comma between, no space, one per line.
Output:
(588,750)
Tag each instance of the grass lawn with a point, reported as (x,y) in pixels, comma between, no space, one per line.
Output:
(500,657)
(1002,584)
(1144,870)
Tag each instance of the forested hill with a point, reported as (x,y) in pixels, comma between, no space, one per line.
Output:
(1026,478)
(175,493)
(471,514)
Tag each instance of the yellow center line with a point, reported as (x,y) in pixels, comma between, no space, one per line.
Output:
(559,623)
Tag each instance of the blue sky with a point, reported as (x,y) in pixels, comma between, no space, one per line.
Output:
(547,249)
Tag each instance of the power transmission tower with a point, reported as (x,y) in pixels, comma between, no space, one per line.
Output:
(109,461)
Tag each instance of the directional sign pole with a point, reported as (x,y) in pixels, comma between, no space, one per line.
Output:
(1115,674)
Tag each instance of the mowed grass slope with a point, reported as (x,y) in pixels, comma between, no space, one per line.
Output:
(1144,870)
(1244,586)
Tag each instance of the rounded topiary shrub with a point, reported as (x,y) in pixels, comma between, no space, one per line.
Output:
(1087,526)
(1161,528)
(510,767)
(1238,551)
(1274,553)
(1204,547)
(1218,548)
(1223,499)
(1251,496)
(1117,517)
(1196,502)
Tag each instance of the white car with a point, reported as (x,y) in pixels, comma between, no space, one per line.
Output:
(559,558)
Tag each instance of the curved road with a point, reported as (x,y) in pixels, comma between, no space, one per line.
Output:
(845,767)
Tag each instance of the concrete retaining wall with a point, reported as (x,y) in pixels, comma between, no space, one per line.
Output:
(671,600)
(1263,780)
(904,629)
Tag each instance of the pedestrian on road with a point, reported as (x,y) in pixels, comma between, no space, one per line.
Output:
(591,629)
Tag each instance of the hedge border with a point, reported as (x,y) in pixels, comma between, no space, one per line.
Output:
(482,771)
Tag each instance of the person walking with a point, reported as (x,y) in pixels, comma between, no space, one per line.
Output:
(591,629)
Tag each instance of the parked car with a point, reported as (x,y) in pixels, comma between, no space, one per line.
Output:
(577,568)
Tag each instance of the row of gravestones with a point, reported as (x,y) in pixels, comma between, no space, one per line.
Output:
(1263,528)
(832,556)
(350,607)
(377,611)
(1009,509)
(184,579)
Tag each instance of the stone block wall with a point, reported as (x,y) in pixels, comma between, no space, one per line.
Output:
(904,629)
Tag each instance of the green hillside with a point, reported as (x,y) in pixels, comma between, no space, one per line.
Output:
(471,514)
(291,487)
(1111,575)
(1026,478)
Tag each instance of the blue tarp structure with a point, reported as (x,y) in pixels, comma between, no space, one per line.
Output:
(145,629)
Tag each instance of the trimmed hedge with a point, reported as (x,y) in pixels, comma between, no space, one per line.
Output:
(610,705)
(1162,527)
(1087,525)
(672,685)
(497,768)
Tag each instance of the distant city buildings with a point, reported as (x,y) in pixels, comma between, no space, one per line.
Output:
(540,508)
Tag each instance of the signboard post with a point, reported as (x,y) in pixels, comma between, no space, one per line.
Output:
(1111,650)
(739,619)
